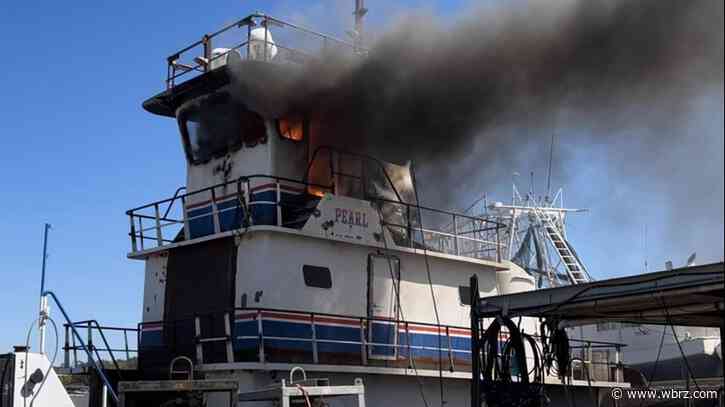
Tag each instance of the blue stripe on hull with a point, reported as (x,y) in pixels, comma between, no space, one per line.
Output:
(383,335)
(231,214)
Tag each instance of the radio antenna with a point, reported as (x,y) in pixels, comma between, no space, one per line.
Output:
(551,158)
(359,13)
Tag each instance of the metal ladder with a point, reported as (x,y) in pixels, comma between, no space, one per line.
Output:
(574,268)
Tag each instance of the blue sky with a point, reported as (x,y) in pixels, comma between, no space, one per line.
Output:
(78,151)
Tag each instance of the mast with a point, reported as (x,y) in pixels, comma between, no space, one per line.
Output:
(359,13)
(43,299)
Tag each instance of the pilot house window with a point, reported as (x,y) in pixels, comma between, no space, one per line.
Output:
(315,276)
(216,126)
(291,128)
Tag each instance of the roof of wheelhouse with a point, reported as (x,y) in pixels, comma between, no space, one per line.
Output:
(210,64)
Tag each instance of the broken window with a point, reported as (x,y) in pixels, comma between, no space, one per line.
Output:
(291,128)
(216,125)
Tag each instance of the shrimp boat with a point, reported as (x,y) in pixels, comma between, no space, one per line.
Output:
(282,252)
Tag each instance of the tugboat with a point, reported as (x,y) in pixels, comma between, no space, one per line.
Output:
(283,253)
(292,253)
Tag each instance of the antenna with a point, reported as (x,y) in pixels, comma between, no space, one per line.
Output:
(531,185)
(359,13)
(644,242)
(43,300)
(551,157)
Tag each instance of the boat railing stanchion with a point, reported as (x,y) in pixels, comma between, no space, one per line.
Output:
(206,42)
(618,361)
(66,347)
(315,356)
(260,335)
(215,211)
(125,344)
(157,215)
(185,214)
(451,367)
(498,244)
(589,367)
(455,235)
(133,232)
(140,231)
(199,347)
(89,340)
(363,347)
(279,203)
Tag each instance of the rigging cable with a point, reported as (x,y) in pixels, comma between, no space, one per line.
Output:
(400,306)
(657,360)
(430,284)
(679,345)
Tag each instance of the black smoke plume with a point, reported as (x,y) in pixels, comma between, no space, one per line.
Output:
(427,92)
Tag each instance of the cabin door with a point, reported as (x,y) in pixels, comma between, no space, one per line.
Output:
(200,281)
(383,306)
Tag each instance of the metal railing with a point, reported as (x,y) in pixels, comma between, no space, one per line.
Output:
(310,342)
(91,361)
(197,57)
(122,341)
(232,207)
(150,229)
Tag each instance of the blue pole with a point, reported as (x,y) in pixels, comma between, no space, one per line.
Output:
(45,257)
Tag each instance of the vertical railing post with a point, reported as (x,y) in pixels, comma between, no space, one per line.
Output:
(228,332)
(407,342)
(618,360)
(260,335)
(75,351)
(199,347)
(450,350)
(498,245)
(169,74)
(185,214)
(125,344)
(215,211)
(279,204)
(133,232)
(157,215)
(66,348)
(315,356)
(363,347)
(206,40)
(89,341)
(475,344)
(248,201)
(409,230)
(455,235)
(140,231)
(589,365)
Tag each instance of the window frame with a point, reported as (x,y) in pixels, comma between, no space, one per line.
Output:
(189,107)
(305,131)
(310,280)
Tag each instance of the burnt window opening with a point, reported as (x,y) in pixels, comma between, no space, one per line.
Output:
(292,127)
(315,276)
(464,295)
(216,125)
